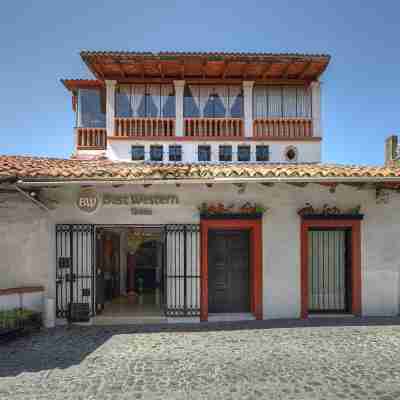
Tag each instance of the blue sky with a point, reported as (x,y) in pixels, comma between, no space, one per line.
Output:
(40,43)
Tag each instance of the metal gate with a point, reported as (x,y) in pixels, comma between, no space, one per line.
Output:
(328,271)
(182,270)
(75,288)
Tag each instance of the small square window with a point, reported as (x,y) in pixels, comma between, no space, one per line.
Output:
(175,153)
(204,153)
(137,153)
(262,153)
(156,153)
(225,153)
(243,153)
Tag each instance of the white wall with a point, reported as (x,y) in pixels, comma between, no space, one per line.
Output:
(28,253)
(120,150)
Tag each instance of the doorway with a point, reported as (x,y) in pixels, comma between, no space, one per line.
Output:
(229,272)
(129,274)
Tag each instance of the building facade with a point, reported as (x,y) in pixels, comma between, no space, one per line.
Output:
(196,191)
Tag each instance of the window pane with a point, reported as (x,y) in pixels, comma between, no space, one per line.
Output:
(153,99)
(137,153)
(175,153)
(156,153)
(262,153)
(303,102)
(274,102)
(167,101)
(289,102)
(260,102)
(204,153)
(243,153)
(207,101)
(123,106)
(225,153)
(191,108)
(236,101)
(139,101)
(92,115)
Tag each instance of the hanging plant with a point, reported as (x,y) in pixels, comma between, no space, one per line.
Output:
(247,208)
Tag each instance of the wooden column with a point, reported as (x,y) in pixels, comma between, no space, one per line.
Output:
(179,91)
(248,107)
(110,107)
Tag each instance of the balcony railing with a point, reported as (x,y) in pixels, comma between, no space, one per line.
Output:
(282,128)
(213,127)
(91,138)
(144,127)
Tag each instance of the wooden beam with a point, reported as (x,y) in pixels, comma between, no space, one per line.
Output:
(203,69)
(160,69)
(121,70)
(183,70)
(286,70)
(224,69)
(245,70)
(303,73)
(266,70)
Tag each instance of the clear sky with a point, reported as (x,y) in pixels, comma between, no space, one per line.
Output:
(40,43)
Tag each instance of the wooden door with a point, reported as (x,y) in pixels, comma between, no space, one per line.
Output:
(228,271)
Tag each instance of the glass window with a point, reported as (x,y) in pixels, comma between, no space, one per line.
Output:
(91,108)
(123,105)
(175,153)
(236,102)
(225,153)
(191,107)
(137,153)
(243,153)
(156,153)
(204,153)
(262,153)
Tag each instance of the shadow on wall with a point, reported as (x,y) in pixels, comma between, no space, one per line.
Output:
(63,347)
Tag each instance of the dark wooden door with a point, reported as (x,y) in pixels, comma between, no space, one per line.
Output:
(228,271)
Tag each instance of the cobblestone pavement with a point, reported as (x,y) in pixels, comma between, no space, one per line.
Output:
(211,362)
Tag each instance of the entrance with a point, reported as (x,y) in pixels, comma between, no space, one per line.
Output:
(229,272)
(121,270)
(129,271)
(329,277)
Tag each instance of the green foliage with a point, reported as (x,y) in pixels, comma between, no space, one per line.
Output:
(16,316)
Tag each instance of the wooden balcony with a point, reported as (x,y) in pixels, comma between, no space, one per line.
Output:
(282,128)
(144,127)
(213,127)
(91,138)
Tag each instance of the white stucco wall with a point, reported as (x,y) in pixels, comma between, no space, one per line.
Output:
(28,246)
(120,150)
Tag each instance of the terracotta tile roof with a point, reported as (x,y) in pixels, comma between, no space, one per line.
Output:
(38,169)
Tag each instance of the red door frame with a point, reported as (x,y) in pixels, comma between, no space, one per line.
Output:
(355,226)
(254,226)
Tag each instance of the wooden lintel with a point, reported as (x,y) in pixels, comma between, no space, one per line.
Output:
(298,184)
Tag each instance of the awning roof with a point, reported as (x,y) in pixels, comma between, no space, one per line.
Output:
(128,65)
(36,169)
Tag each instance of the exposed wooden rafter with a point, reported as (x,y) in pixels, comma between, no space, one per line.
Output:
(303,73)
(285,72)
(266,70)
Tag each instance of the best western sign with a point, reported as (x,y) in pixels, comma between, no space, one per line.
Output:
(89,200)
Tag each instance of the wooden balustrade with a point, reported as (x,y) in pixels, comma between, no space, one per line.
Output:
(144,127)
(91,138)
(214,127)
(282,128)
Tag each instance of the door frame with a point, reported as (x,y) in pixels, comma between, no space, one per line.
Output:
(354,225)
(254,226)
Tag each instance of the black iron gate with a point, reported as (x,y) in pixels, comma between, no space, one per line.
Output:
(182,270)
(75,258)
(329,278)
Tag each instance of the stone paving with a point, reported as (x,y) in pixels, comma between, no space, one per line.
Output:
(220,361)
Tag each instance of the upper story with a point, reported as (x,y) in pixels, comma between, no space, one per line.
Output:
(199,107)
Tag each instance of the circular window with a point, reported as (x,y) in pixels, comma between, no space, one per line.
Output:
(291,153)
